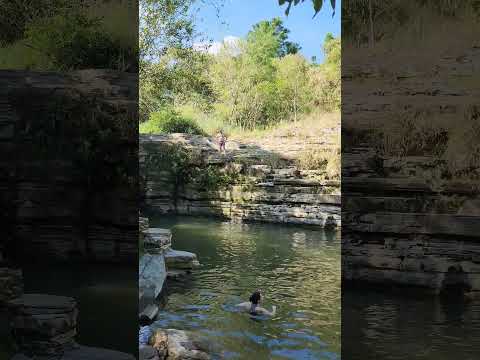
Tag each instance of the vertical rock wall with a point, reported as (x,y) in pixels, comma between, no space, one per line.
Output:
(68,145)
(405,222)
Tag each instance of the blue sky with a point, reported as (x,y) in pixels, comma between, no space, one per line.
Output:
(236,18)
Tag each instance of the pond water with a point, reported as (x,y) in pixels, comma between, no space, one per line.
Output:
(106,295)
(297,269)
(408,325)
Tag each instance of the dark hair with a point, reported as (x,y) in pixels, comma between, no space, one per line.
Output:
(144,320)
(255,297)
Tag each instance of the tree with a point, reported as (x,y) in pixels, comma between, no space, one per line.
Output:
(280,33)
(165,42)
(326,78)
(292,82)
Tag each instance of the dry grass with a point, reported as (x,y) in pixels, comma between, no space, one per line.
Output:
(463,148)
(326,160)
(309,125)
(412,133)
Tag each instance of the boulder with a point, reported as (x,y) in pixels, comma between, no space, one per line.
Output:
(180,345)
(151,277)
(176,259)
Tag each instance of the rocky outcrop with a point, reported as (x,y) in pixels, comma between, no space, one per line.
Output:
(248,183)
(158,260)
(152,271)
(45,326)
(404,223)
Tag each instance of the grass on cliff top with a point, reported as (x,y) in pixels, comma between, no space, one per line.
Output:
(307,125)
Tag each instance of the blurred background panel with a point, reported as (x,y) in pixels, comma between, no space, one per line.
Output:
(410,196)
(69,160)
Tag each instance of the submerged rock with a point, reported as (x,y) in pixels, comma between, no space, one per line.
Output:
(175,344)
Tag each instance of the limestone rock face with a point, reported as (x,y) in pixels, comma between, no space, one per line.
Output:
(151,276)
(56,213)
(261,185)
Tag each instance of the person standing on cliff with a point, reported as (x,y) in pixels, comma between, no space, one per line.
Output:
(222,140)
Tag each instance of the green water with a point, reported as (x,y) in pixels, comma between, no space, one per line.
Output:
(297,269)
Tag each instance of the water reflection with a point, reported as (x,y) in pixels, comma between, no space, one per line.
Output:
(298,270)
(391,326)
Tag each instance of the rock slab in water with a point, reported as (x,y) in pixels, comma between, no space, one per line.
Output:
(43,324)
(176,259)
(83,353)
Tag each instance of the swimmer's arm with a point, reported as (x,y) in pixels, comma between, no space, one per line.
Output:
(244,305)
(266,312)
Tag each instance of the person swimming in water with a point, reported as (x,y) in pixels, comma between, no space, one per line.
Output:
(253,305)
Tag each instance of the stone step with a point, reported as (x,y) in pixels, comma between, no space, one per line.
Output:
(176,259)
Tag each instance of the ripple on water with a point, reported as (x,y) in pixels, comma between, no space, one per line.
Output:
(297,269)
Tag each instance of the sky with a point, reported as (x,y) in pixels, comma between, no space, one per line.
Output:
(237,17)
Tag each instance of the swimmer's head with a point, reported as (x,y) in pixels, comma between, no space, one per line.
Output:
(255,297)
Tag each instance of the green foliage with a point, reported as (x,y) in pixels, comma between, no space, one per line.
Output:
(164,24)
(65,35)
(317,5)
(292,83)
(273,29)
(76,41)
(213,178)
(325,79)
(171,72)
(253,87)
(254,84)
(168,121)
(15,15)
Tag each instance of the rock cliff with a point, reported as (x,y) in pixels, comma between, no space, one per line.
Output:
(186,174)
(408,218)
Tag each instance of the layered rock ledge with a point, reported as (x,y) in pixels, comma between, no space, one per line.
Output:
(186,174)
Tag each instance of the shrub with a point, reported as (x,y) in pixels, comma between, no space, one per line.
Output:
(168,121)
(412,133)
(327,160)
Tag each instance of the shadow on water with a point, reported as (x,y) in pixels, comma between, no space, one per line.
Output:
(297,269)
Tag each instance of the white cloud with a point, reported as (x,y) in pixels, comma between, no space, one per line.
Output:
(229,42)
